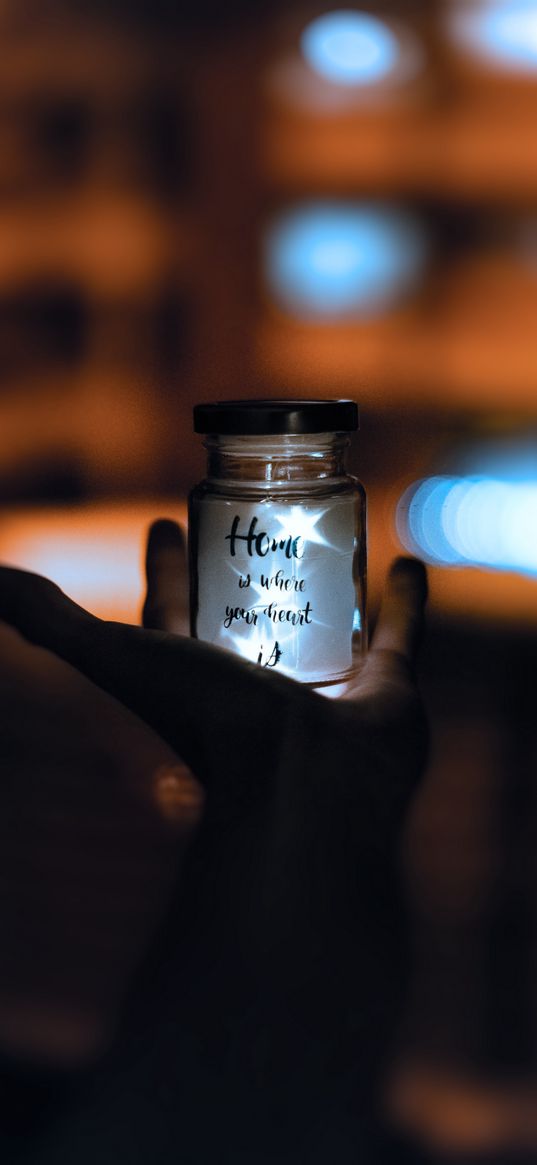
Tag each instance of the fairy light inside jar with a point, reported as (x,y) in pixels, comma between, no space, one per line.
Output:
(277,537)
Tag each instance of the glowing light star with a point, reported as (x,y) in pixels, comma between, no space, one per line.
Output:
(252,643)
(266,645)
(299,523)
(350,48)
(502,31)
(327,260)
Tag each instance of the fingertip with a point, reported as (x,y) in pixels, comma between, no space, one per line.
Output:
(400,622)
(166,602)
(40,610)
(164,535)
(410,574)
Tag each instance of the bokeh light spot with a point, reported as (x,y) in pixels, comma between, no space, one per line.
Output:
(332,259)
(502,31)
(350,48)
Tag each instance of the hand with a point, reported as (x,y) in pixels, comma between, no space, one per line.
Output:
(96,812)
(283,963)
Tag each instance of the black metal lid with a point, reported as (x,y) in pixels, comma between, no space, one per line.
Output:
(271,417)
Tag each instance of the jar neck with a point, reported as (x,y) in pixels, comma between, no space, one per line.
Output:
(277,460)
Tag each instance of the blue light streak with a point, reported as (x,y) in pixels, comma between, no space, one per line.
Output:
(471,521)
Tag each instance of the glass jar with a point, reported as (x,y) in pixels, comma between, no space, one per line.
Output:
(278,537)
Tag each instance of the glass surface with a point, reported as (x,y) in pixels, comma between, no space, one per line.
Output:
(278,555)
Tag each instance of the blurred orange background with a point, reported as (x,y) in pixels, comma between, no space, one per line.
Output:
(145,151)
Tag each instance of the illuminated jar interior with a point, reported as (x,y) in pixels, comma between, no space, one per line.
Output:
(277,537)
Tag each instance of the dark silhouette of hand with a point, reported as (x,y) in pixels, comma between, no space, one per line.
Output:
(260,1017)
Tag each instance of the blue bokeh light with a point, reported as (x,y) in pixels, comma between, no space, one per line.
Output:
(350,48)
(472,521)
(328,260)
(418,524)
(503,31)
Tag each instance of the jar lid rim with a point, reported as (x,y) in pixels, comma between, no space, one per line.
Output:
(275,416)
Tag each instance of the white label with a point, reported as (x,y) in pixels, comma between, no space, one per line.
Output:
(276,583)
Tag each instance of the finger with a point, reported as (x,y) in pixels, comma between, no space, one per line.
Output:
(166,601)
(385,696)
(400,623)
(214,709)
(37,608)
(389,665)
